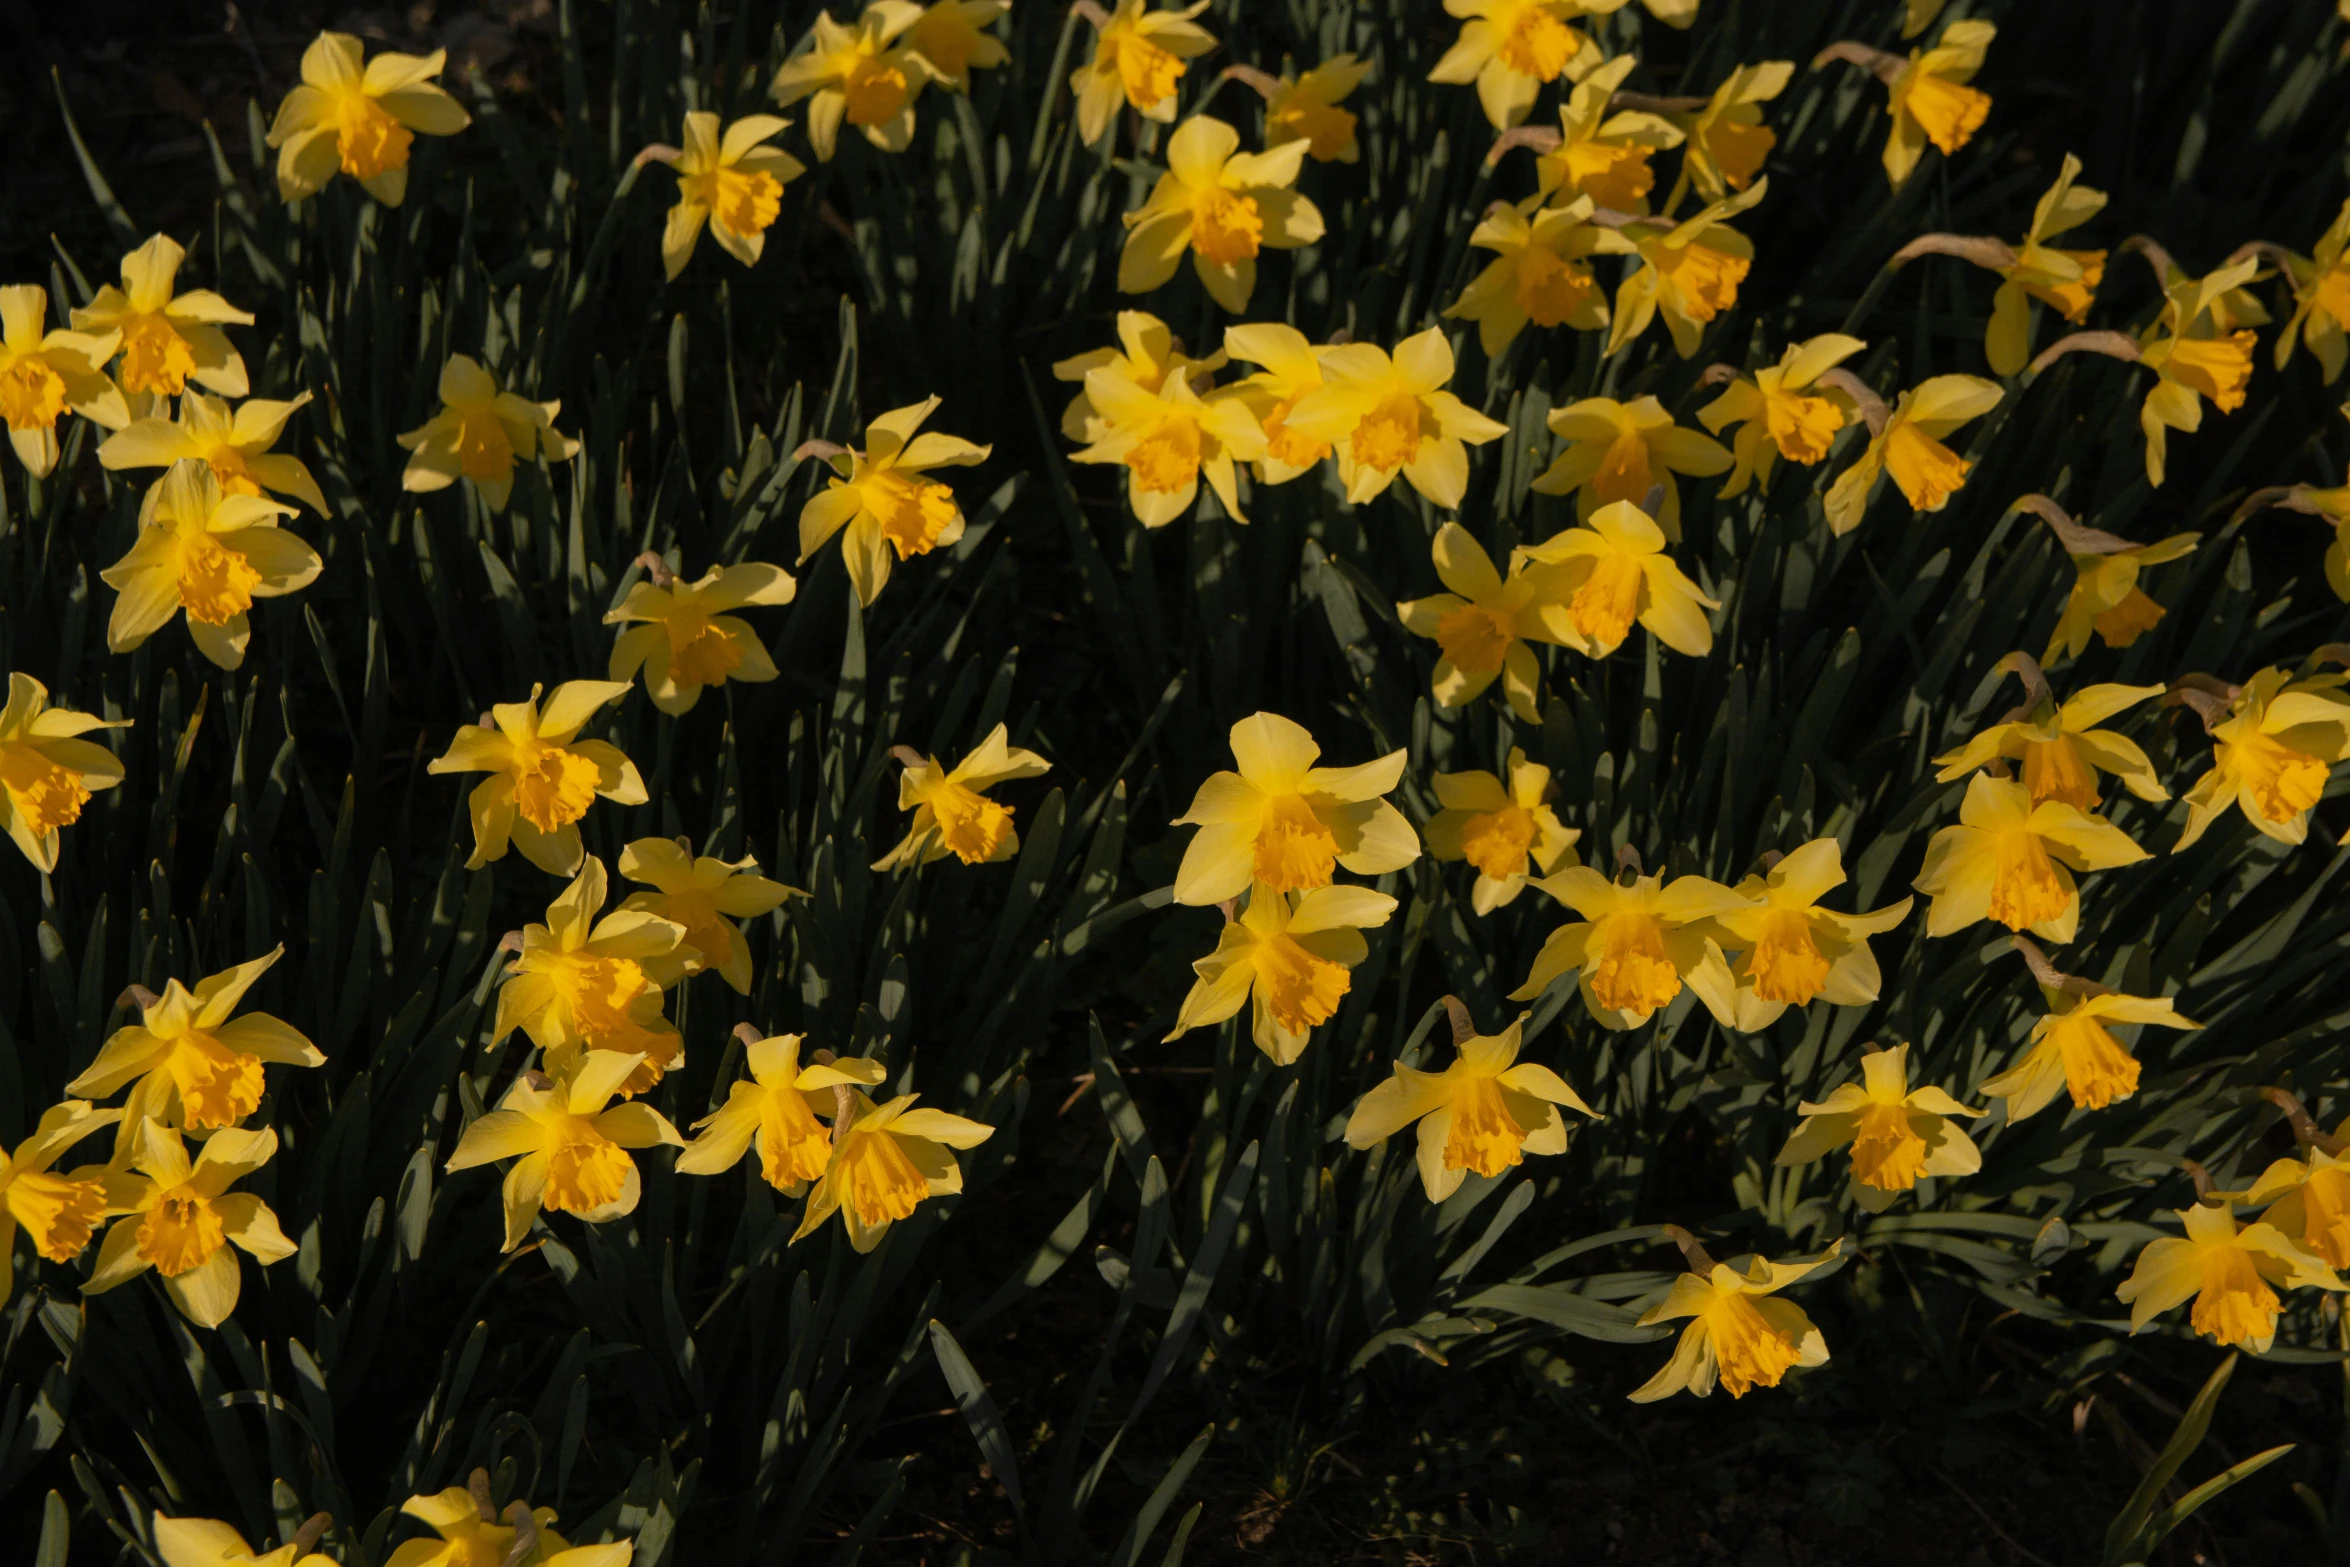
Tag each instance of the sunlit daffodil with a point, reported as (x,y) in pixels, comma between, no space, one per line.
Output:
(469,1534)
(774,1111)
(2073,1048)
(167,338)
(1782,410)
(1506,830)
(2307,1200)
(2271,754)
(1727,140)
(1292,368)
(234,442)
(543,777)
(1385,417)
(2009,860)
(46,374)
(2232,1274)
(2199,349)
(1483,625)
(862,72)
(1307,110)
(1930,101)
(1619,573)
(1485,1112)
(588,987)
(1910,448)
(1168,440)
(1620,451)
(889,1160)
(732,183)
(2106,602)
(479,434)
(1283,822)
(1897,1133)
(1689,272)
(1789,950)
(1600,154)
(48,773)
(2321,301)
(2062,750)
(951,811)
(1222,205)
(952,37)
(1147,354)
(58,1213)
(884,500)
(1540,273)
(1635,944)
(181,1219)
(210,554)
(206,1542)
(706,896)
(683,638)
(1285,958)
(1138,58)
(1741,1336)
(1511,49)
(360,119)
(2064,280)
(569,1143)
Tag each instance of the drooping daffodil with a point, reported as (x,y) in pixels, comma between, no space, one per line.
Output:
(57,1212)
(234,443)
(1689,272)
(683,637)
(2073,1047)
(731,182)
(951,813)
(1484,1113)
(1286,958)
(2009,860)
(2232,1274)
(892,1158)
(1910,447)
(1138,58)
(2062,750)
(1742,1336)
(48,773)
(1783,410)
(705,895)
(882,496)
(2274,743)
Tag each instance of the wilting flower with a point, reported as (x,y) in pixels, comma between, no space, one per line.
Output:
(1930,101)
(730,182)
(2073,1047)
(1618,572)
(1634,945)
(704,895)
(1910,448)
(478,434)
(861,72)
(207,1542)
(1690,271)
(2321,300)
(1727,140)
(1168,439)
(952,38)
(1147,354)
(44,375)
(2009,860)
(1507,830)
(1292,369)
(168,339)
(2271,755)
(1897,1133)
(880,496)
(890,1158)
(1620,451)
(1540,272)
(181,1218)
(774,1110)
(543,777)
(2308,1202)
(2062,749)
(570,1152)
(59,1212)
(683,638)
(1782,411)
(234,443)
(1601,155)
(210,554)
(2106,601)
(360,120)
(1485,1112)
(46,774)
(1512,48)
(1740,1336)
(952,814)
(1385,417)
(583,985)
(1137,59)
(470,1535)
(2229,1273)
(2064,280)
(1287,960)
(1483,626)
(1285,823)
(2196,352)
(1307,110)
(1791,952)
(1222,205)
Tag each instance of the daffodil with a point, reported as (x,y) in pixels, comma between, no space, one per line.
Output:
(1292,370)
(1910,447)
(775,1110)
(2073,1047)
(705,896)
(1621,451)
(1147,354)
(59,1212)
(207,1542)
(47,774)
(1689,271)
(2321,300)
(1307,110)
(2197,350)
(234,442)
(181,1218)
(684,640)
(1600,154)
(1384,417)
(583,986)
(46,374)
(1485,1112)
(167,338)
(1636,943)
(360,117)
(2271,754)
(1790,951)
(479,434)
(543,777)
(890,1158)
(862,72)
(951,811)
(2062,749)
(2307,1200)
(1505,829)
(1618,573)
(1930,101)
(1285,958)
(1483,626)
(1283,822)
(1222,205)
(2231,1273)
(569,1143)
(731,182)
(2009,860)
(211,554)
(1897,1133)
(1740,1336)
(1541,272)
(952,37)
(882,497)
(1783,410)
(1512,49)
(1727,140)
(1168,440)
(2106,601)
(2064,280)
(469,1534)
(1137,59)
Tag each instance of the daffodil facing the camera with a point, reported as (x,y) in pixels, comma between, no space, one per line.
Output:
(1483,1113)
(58,1213)
(179,1218)
(889,1160)
(1619,574)
(1740,1336)
(861,72)
(1307,109)
(210,554)
(47,772)
(479,434)
(1897,1133)
(1638,939)
(47,373)
(883,498)
(953,39)
(1909,446)
(1512,49)
(1146,354)
(351,115)
(1788,951)
(2321,300)
(1168,440)
(2061,749)
(2009,860)
(774,1111)
(1292,370)
(1138,58)
(2073,1048)
(1689,272)
(1540,273)
(705,895)
(1507,830)
(570,1144)
(1384,417)
(2274,742)
(1485,623)
(1727,140)
(1221,205)
(951,811)
(683,637)
(2232,1274)
(589,988)
(234,442)
(1783,410)
(1602,152)
(731,182)
(1284,823)
(1286,958)
(167,338)
(542,776)
(1622,451)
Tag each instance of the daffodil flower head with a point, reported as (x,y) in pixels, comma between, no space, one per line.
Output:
(59,1212)
(1600,154)
(233,442)
(1147,354)
(884,500)
(683,638)
(2073,1047)
(1307,110)
(2106,601)
(542,776)
(1168,440)
(1782,410)
(2061,749)
(775,1111)
(479,434)
(1910,447)
(1484,623)
(2009,860)
(2321,301)
(2064,280)
(1930,101)
(886,1163)
(1897,1133)
(1619,574)
(1792,952)
(951,811)
(2232,1274)
(588,986)
(570,1144)
(2271,754)
(210,554)
(1621,451)
(360,117)
(2307,1200)
(953,39)
(1540,272)
(861,72)
(1727,139)
(179,1218)
(1637,940)
(207,1542)
(2200,348)
(1138,57)
(1286,823)
(1507,830)
(1689,272)
(46,374)
(1222,205)
(1385,417)
(1286,957)
(1483,1113)
(731,182)
(1292,370)
(468,1533)
(1511,49)
(1741,1335)
(705,896)
(47,774)
(167,338)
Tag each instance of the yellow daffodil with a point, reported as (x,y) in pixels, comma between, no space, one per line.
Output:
(1930,101)
(1168,439)
(46,374)
(705,896)
(1147,354)
(470,1535)
(211,554)
(861,72)
(59,1212)
(1790,951)
(1222,205)
(1507,830)
(1910,448)
(1688,271)
(359,117)
(1783,411)
(1384,417)
(1540,273)
(2009,860)
(1485,1112)
(47,774)
(2231,1273)
(2064,280)
(2307,1200)
(1483,626)
(206,1542)
(952,37)
(543,777)
(583,986)
(2061,748)
(1618,573)
(2073,1047)
(478,434)
(1637,942)
(1600,154)
(2106,601)
(951,812)
(891,1157)
(2271,755)
(2197,350)
(2321,300)
(880,496)
(1897,1133)
(1292,370)
(234,443)
(1283,822)
(570,1151)
(1137,59)
(1740,1336)
(730,182)
(1620,451)
(1727,140)
(775,1110)
(1512,49)
(167,338)
(684,640)
(1286,959)
(1307,110)
(180,1219)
